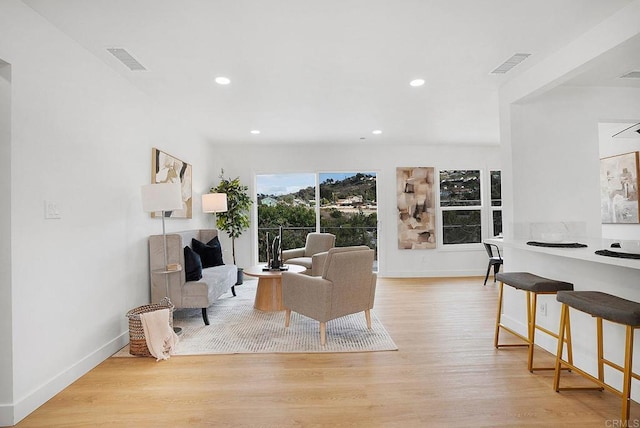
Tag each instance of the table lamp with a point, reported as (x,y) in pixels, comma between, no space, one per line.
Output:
(214,203)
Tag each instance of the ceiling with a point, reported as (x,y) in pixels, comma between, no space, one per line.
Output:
(330,71)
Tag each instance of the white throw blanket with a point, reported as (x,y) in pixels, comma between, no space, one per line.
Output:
(160,338)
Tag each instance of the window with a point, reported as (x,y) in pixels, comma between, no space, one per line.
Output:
(344,205)
(286,200)
(348,208)
(496,202)
(461,206)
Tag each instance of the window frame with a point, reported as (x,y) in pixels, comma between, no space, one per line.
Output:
(486,209)
(442,209)
(492,208)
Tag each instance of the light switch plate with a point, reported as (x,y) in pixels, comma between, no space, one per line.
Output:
(51,210)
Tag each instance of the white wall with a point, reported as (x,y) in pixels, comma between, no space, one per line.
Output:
(81,137)
(556,166)
(247,161)
(6,360)
(519,139)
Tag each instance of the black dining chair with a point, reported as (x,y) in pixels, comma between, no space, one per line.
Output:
(495,260)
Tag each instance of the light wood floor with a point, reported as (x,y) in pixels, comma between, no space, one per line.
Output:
(446,373)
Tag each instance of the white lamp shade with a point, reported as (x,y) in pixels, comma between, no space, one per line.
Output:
(214,202)
(161,197)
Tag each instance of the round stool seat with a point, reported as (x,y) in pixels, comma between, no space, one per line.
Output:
(602,305)
(529,282)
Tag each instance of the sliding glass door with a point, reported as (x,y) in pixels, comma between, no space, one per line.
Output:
(344,204)
(348,208)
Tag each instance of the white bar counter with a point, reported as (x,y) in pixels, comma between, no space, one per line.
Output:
(585,253)
(586,271)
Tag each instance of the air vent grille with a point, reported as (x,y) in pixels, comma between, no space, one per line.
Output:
(126,58)
(635,74)
(510,63)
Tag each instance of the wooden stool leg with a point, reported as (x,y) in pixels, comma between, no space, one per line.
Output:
(568,338)
(531,319)
(495,340)
(600,349)
(626,383)
(564,316)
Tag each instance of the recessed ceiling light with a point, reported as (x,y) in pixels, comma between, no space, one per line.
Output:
(223,80)
(377,132)
(255,131)
(417,82)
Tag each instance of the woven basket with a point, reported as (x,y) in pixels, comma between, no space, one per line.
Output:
(137,341)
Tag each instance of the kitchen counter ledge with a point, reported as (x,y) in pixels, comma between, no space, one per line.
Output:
(587,253)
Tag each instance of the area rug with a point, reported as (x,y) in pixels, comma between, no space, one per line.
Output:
(237,328)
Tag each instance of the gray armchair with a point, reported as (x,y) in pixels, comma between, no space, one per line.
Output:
(311,256)
(347,286)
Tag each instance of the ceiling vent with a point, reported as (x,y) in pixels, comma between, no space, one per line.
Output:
(126,58)
(510,63)
(632,131)
(635,74)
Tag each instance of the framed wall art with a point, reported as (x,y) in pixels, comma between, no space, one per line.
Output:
(619,188)
(169,169)
(416,208)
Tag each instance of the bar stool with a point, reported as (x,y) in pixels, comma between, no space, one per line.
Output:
(611,308)
(532,285)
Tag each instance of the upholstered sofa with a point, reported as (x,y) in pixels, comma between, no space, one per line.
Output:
(201,293)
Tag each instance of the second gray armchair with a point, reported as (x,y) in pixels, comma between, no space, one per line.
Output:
(313,255)
(347,286)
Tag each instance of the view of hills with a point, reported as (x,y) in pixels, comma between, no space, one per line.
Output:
(332,191)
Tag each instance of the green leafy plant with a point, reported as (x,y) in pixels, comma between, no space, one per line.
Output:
(236,219)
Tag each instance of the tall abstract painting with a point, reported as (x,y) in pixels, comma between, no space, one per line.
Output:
(168,169)
(416,208)
(619,188)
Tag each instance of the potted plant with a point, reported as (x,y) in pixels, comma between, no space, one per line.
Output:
(236,219)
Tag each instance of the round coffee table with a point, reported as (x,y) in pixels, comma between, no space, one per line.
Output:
(269,292)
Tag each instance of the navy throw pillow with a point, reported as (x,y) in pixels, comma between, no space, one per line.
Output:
(192,265)
(210,253)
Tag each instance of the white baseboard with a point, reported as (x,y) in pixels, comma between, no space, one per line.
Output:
(21,408)
(431,274)
(6,415)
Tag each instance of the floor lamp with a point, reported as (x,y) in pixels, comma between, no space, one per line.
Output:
(162,197)
(215,203)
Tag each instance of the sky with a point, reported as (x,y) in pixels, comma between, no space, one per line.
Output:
(282,184)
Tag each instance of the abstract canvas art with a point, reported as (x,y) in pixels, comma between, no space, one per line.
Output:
(416,208)
(168,169)
(619,188)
